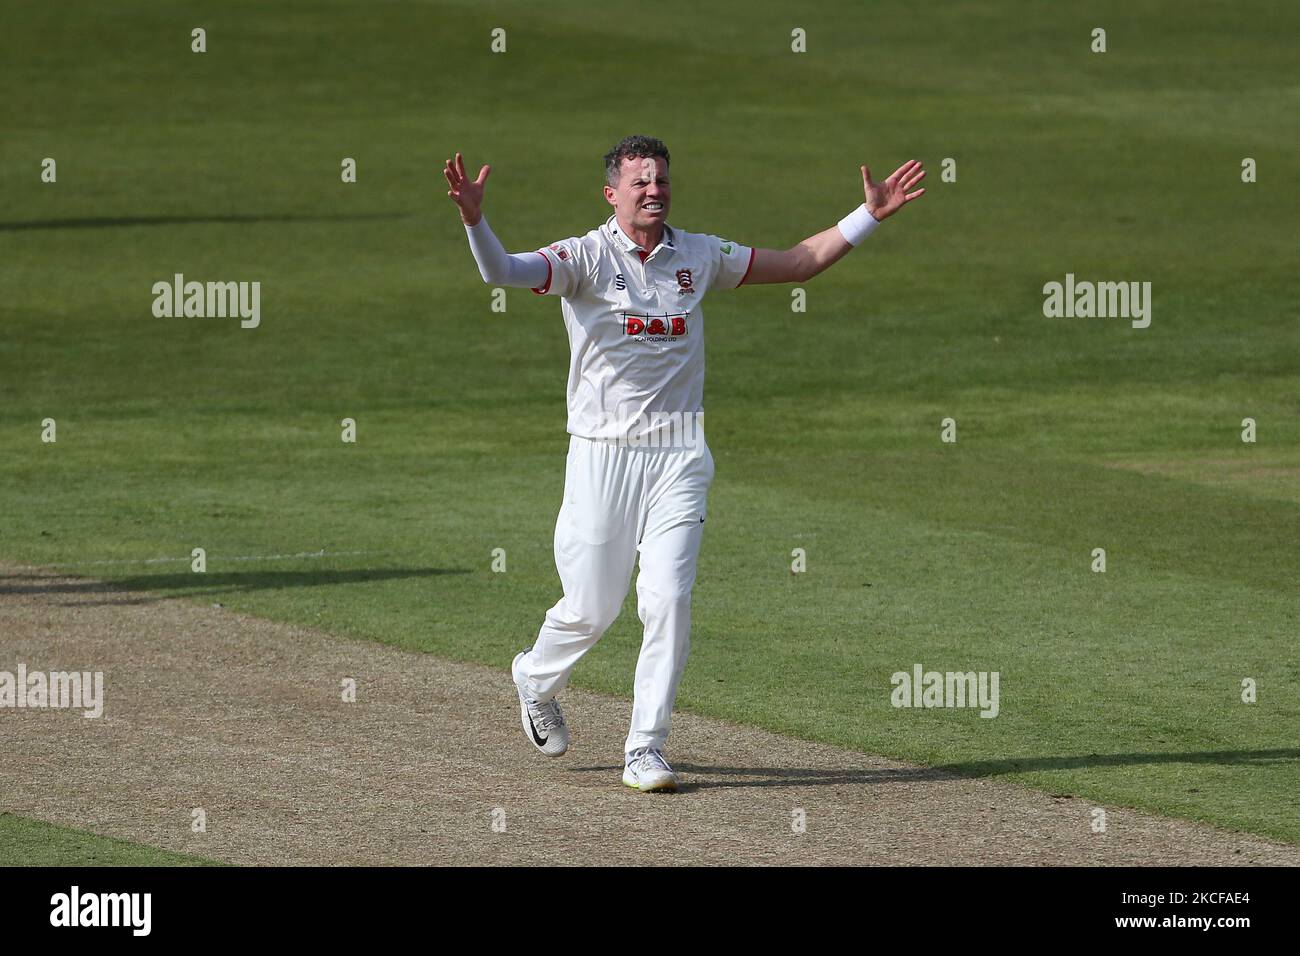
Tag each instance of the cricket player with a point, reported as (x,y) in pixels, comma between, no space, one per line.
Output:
(638,470)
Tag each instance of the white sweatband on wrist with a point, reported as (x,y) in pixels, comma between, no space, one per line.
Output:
(857,225)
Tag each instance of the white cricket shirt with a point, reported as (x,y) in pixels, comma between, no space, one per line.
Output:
(635,324)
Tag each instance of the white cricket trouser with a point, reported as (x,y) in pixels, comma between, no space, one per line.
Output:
(620,500)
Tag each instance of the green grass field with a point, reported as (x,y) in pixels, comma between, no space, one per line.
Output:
(31,843)
(1073,434)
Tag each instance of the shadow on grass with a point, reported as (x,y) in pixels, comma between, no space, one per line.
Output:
(189,584)
(740,777)
(107,222)
(993,768)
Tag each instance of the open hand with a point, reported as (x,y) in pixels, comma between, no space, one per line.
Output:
(464,192)
(885,199)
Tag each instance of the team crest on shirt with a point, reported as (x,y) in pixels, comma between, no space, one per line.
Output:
(655,328)
(684,282)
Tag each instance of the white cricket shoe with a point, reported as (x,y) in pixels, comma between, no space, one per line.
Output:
(543,722)
(648,771)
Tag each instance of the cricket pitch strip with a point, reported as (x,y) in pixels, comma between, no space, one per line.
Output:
(243,719)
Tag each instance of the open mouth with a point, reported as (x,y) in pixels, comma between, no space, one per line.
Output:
(653,207)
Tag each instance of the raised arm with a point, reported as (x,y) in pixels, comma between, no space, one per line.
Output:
(817,253)
(524,270)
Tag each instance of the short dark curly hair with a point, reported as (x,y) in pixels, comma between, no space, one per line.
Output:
(632,147)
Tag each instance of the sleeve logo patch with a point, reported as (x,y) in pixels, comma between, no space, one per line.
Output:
(560,251)
(726,248)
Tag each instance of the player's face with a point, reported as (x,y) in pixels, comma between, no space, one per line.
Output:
(643,194)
